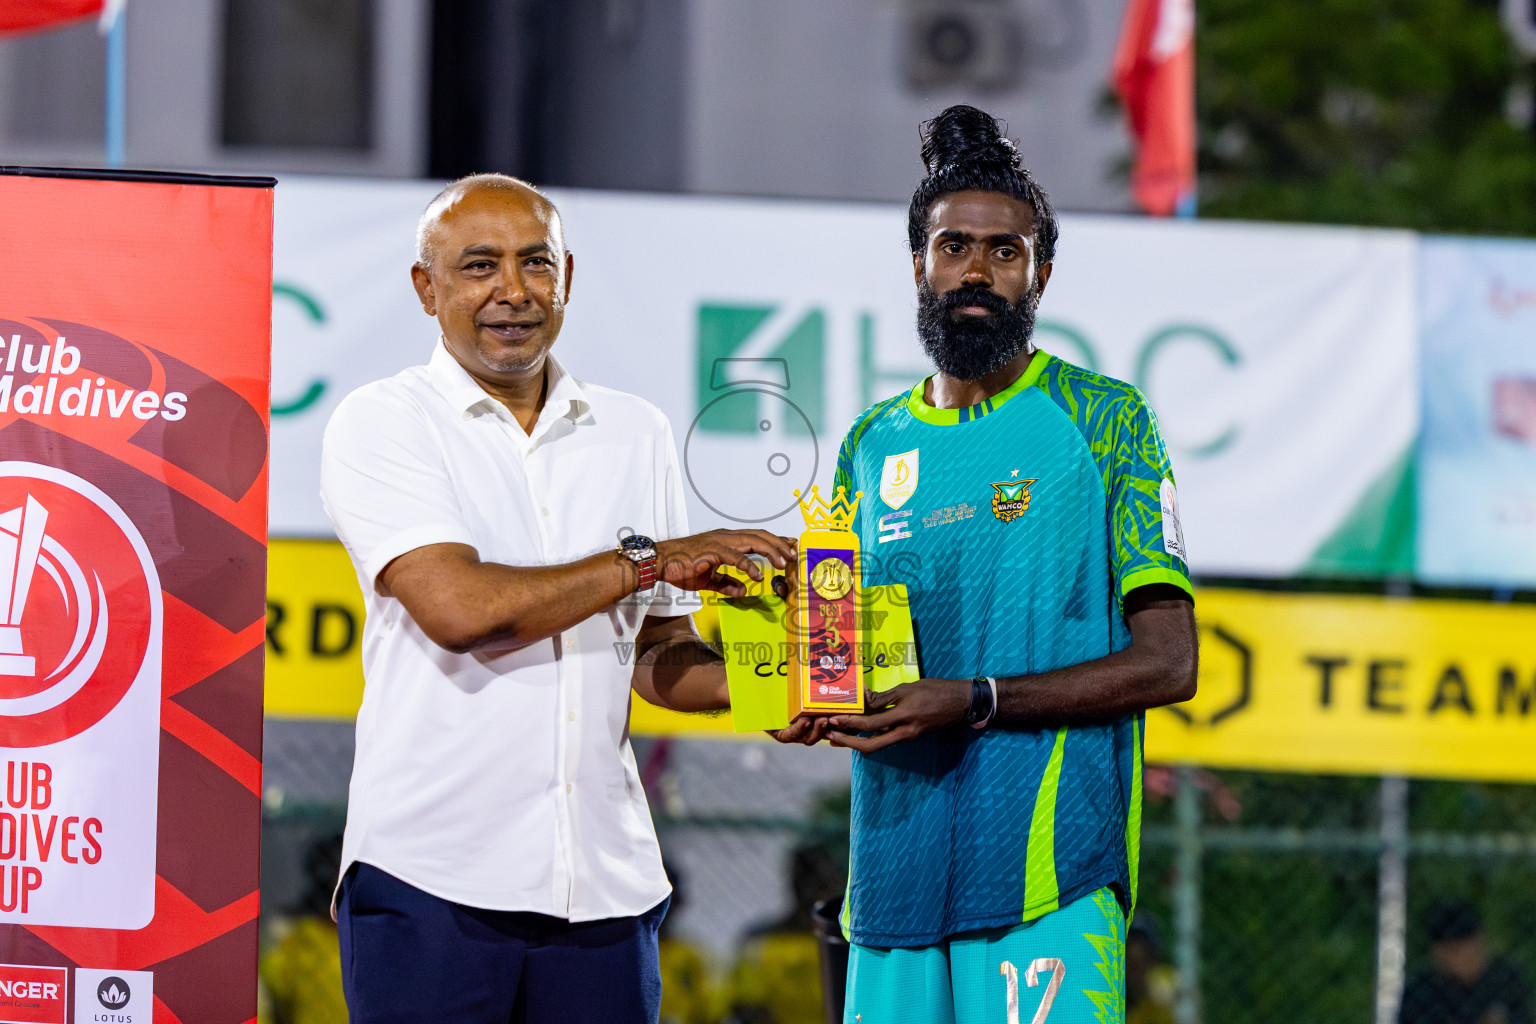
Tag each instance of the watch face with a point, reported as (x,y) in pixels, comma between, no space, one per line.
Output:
(636,542)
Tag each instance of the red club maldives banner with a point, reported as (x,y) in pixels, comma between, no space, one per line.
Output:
(134,372)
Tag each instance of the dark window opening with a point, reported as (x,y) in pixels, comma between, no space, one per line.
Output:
(298,73)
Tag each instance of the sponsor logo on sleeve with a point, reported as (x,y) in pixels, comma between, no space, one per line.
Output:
(1173,531)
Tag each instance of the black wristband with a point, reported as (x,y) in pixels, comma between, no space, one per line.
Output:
(981,701)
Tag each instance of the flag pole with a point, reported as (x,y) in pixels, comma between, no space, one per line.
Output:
(117,80)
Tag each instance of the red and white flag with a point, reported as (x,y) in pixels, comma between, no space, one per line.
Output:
(1154,75)
(32,15)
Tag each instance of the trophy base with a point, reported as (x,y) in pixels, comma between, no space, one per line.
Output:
(18,665)
(824,710)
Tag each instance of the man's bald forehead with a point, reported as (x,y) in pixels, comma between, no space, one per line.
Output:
(451,197)
(505,183)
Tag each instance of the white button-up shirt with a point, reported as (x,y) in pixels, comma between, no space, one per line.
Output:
(501,779)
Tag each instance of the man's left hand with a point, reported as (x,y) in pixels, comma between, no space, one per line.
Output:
(901,713)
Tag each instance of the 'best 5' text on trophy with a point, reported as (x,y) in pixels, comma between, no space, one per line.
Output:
(824,666)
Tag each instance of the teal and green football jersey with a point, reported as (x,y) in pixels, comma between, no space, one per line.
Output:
(1018,526)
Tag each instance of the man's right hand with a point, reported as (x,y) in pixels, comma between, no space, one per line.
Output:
(807,729)
(694,563)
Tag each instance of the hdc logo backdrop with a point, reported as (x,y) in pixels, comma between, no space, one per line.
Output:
(1283,363)
(1281,360)
(134,352)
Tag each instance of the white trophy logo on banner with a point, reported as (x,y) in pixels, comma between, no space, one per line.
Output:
(20,545)
(80,636)
(24,548)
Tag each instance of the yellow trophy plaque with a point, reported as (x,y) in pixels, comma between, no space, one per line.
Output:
(825,625)
(816,650)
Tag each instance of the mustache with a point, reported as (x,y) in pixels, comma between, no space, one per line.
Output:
(973,295)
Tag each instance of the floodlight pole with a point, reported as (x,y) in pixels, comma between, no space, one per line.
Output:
(1186,895)
(117,81)
(1392,899)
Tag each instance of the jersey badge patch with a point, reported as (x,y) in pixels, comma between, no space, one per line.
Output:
(894,526)
(898,479)
(1173,530)
(1010,499)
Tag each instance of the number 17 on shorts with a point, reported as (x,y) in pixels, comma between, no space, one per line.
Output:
(1044,964)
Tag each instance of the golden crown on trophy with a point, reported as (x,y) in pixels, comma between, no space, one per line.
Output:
(835,515)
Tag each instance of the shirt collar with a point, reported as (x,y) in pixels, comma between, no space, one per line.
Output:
(564,399)
(919,407)
(565,393)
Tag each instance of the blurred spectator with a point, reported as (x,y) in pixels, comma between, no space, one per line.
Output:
(686,992)
(1150,981)
(303,972)
(1463,984)
(777,978)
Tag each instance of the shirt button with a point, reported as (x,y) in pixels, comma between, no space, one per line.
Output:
(545,511)
(570,644)
(570,715)
(568,787)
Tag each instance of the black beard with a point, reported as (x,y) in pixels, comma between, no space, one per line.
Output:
(971,347)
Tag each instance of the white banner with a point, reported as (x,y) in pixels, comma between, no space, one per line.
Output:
(1280,360)
(1477,469)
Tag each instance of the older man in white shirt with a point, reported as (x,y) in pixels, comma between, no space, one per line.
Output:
(499,862)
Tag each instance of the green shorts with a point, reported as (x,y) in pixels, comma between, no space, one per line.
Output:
(1067,967)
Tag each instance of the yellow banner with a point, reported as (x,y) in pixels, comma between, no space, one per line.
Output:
(314,631)
(315,634)
(1288,682)
(1358,685)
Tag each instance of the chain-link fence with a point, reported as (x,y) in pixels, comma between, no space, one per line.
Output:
(1263,897)
(1302,898)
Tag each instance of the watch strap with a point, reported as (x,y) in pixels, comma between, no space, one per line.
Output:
(643,555)
(648,573)
(983,702)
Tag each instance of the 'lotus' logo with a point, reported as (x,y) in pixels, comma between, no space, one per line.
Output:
(113,993)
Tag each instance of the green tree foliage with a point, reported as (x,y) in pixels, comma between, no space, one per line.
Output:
(1401,113)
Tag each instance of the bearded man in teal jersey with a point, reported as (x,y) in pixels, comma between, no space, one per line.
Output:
(1029,507)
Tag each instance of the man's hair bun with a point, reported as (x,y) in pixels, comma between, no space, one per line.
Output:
(965,150)
(964,135)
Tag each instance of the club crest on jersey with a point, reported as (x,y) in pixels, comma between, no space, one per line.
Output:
(895,526)
(898,478)
(1010,498)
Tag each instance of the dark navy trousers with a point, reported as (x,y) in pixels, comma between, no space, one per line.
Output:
(408,957)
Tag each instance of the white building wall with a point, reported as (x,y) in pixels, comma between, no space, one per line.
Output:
(810,98)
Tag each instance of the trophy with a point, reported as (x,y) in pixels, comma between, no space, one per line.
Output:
(823,666)
(818,649)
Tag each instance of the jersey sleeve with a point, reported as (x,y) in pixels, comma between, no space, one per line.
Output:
(1146,535)
(843,476)
(384,483)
